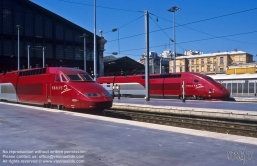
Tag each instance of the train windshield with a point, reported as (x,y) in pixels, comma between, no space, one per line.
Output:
(87,77)
(74,77)
(210,79)
(79,77)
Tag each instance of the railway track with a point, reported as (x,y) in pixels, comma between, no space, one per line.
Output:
(229,126)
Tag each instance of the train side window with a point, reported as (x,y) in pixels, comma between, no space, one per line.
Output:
(195,80)
(39,71)
(44,71)
(63,78)
(57,78)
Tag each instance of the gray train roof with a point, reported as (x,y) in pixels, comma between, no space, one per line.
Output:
(210,54)
(234,76)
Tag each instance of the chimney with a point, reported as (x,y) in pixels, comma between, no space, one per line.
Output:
(235,50)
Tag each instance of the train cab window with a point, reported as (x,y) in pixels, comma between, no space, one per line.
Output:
(63,78)
(74,77)
(195,80)
(87,77)
(210,79)
(57,78)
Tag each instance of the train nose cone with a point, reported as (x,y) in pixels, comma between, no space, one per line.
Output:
(226,94)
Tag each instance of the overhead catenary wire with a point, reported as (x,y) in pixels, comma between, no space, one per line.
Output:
(118,29)
(237,34)
(161,29)
(165,32)
(79,3)
(185,23)
(194,40)
(123,54)
(219,37)
(207,19)
(124,24)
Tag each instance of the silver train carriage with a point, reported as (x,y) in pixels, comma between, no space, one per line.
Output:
(238,84)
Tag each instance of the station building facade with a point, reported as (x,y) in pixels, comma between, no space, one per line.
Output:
(40,28)
(215,63)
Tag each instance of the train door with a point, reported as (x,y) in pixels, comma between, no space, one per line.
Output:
(172,87)
(47,88)
(198,87)
(56,88)
(69,96)
(156,87)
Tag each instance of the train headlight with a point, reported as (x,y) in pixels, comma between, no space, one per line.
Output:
(92,95)
(107,94)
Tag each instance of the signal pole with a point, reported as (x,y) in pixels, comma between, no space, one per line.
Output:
(95,52)
(147,97)
(18,27)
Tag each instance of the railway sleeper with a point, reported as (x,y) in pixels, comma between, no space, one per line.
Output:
(215,124)
(210,125)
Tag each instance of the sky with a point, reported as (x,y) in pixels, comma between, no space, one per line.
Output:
(208,26)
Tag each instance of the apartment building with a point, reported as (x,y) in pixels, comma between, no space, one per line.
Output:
(213,63)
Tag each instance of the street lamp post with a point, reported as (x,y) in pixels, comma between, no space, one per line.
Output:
(174,9)
(147,88)
(160,65)
(43,57)
(95,56)
(37,48)
(18,27)
(28,56)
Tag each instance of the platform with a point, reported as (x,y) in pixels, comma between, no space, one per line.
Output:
(216,109)
(244,98)
(104,141)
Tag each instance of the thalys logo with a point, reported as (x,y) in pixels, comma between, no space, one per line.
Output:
(199,86)
(66,89)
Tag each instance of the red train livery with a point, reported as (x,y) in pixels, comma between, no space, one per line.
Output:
(54,86)
(197,85)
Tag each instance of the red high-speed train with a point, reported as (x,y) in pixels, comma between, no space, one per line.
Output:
(54,86)
(197,85)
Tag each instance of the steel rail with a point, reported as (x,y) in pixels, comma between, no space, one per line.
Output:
(229,126)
